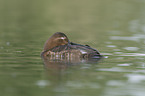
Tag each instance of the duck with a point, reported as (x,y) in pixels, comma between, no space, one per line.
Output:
(59,46)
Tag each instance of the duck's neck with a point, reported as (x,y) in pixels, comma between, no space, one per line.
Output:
(49,45)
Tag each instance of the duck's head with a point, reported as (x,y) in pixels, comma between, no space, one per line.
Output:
(56,39)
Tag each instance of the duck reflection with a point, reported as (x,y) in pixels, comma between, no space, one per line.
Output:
(60,71)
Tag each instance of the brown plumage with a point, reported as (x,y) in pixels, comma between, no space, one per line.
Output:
(58,45)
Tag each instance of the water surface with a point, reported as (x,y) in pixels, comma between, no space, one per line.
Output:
(114,27)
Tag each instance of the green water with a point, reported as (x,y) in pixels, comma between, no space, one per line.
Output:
(115,27)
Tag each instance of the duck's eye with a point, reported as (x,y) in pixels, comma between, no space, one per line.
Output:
(60,40)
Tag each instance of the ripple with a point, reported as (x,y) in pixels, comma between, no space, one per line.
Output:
(116,49)
(126,64)
(135,37)
(118,52)
(117,69)
(75,84)
(120,58)
(131,48)
(7,43)
(132,54)
(114,69)
(106,54)
(111,46)
(142,66)
(108,42)
(124,38)
(115,83)
(135,78)
(42,83)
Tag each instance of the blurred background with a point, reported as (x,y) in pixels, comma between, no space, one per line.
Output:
(115,27)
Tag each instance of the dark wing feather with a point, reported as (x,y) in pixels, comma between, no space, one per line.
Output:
(86,51)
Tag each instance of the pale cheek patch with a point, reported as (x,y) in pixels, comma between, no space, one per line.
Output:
(62,37)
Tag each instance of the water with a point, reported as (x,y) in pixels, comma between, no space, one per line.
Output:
(115,27)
